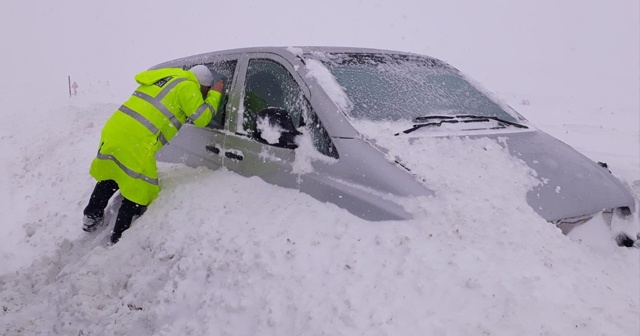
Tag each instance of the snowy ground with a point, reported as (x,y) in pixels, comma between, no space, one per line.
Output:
(201,261)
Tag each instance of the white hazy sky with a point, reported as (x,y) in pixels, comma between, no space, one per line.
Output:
(571,49)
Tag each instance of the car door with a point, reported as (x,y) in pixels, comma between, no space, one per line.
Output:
(196,146)
(268,81)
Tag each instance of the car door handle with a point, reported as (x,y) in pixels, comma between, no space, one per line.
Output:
(234,156)
(213,149)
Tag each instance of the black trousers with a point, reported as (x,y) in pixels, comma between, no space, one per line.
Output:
(103,191)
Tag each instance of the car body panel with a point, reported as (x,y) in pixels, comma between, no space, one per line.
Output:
(363,164)
(363,179)
(572,184)
(272,164)
(194,147)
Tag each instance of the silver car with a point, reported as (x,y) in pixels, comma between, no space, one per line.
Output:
(274,94)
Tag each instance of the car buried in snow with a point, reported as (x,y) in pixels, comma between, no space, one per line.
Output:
(274,95)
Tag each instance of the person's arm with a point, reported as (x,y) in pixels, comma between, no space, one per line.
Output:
(199,110)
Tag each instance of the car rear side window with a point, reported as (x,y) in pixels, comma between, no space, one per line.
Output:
(226,70)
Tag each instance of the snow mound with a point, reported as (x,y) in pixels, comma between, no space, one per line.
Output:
(217,253)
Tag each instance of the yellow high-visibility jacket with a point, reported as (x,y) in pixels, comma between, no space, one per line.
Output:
(143,124)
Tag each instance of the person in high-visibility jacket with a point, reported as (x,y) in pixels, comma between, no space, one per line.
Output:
(148,120)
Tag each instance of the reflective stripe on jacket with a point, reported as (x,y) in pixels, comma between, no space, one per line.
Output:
(143,124)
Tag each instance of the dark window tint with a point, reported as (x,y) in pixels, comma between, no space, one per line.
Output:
(226,70)
(269,84)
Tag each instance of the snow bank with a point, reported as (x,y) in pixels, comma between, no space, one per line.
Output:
(207,259)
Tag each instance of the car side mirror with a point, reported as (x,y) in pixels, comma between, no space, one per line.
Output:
(274,127)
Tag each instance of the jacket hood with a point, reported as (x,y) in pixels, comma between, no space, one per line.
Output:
(151,76)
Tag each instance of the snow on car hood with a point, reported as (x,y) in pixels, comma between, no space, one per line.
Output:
(468,175)
(509,169)
(572,184)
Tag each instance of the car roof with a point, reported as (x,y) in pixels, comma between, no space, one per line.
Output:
(288,52)
(306,50)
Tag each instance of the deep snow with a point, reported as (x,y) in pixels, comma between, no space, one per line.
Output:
(221,254)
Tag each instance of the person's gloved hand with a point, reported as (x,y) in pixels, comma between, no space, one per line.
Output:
(218,79)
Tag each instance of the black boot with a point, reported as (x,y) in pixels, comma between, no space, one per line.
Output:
(94,212)
(127,211)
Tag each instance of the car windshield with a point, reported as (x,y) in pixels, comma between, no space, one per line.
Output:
(394,87)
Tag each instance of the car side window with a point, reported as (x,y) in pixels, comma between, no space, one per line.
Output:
(225,69)
(269,84)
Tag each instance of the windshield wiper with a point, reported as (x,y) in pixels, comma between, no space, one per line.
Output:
(463,118)
(498,119)
(433,117)
(437,123)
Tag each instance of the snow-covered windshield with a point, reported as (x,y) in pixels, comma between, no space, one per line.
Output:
(393,87)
